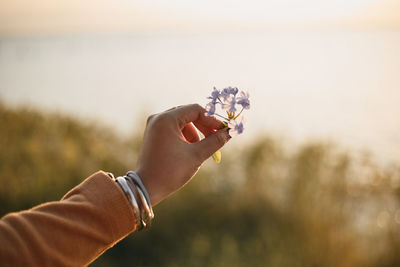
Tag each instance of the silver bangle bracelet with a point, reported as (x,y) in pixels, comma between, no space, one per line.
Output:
(137,181)
(129,194)
(147,212)
(136,178)
(138,197)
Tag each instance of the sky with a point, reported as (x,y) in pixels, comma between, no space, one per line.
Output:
(314,68)
(21,17)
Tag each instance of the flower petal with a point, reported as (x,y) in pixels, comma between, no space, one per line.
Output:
(243,100)
(210,108)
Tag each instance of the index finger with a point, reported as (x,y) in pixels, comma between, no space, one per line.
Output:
(194,113)
(209,122)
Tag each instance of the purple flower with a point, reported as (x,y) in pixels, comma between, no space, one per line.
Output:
(226,92)
(229,104)
(228,98)
(210,107)
(214,95)
(243,100)
(235,127)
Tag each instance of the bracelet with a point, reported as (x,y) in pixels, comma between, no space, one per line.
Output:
(143,196)
(138,197)
(135,177)
(132,200)
(146,211)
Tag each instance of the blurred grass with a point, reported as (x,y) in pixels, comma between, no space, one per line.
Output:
(262,206)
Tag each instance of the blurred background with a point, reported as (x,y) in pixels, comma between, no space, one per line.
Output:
(313,181)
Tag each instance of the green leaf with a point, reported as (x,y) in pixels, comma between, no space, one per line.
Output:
(217,156)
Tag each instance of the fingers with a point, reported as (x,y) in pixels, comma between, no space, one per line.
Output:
(204,130)
(209,145)
(196,114)
(190,133)
(208,122)
(187,113)
(173,108)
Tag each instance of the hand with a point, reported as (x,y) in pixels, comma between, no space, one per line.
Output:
(172,152)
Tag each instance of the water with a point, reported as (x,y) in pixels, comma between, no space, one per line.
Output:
(343,86)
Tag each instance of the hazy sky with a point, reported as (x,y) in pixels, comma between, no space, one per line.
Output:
(314,68)
(75,16)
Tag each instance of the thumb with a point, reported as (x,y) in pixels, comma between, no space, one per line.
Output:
(209,145)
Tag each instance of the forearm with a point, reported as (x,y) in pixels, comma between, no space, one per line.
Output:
(95,215)
(89,219)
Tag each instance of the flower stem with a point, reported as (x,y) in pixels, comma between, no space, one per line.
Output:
(238,114)
(221,116)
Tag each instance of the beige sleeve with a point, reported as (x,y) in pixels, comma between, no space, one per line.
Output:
(74,231)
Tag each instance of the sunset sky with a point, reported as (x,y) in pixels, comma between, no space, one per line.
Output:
(73,16)
(314,68)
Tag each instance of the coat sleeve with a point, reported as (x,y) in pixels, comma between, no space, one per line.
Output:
(74,231)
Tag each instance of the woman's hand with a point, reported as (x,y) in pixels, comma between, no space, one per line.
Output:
(172,152)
